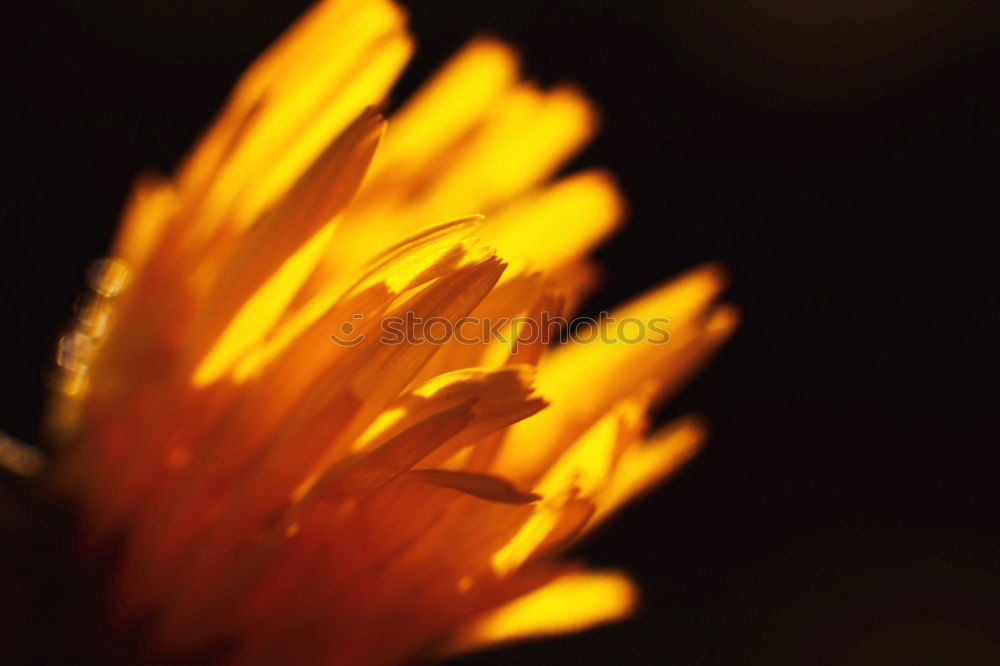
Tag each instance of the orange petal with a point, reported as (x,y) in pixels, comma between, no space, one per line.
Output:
(485,486)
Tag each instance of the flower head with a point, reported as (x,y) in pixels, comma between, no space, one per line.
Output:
(311,390)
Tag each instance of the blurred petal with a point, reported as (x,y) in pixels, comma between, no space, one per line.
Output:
(570,603)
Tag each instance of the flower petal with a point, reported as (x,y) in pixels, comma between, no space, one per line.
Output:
(484,486)
(570,603)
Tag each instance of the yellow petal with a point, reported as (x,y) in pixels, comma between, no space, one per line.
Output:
(546,229)
(499,397)
(587,463)
(284,248)
(374,372)
(417,260)
(262,311)
(321,27)
(292,105)
(365,88)
(583,380)
(573,602)
(459,95)
(527,136)
(528,539)
(645,464)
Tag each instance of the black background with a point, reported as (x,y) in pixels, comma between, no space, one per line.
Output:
(840,156)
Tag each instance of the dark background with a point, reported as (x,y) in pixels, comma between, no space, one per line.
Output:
(840,156)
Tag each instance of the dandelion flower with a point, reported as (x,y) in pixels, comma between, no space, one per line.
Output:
(287,484)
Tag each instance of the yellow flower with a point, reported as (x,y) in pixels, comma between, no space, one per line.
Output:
(289,482)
